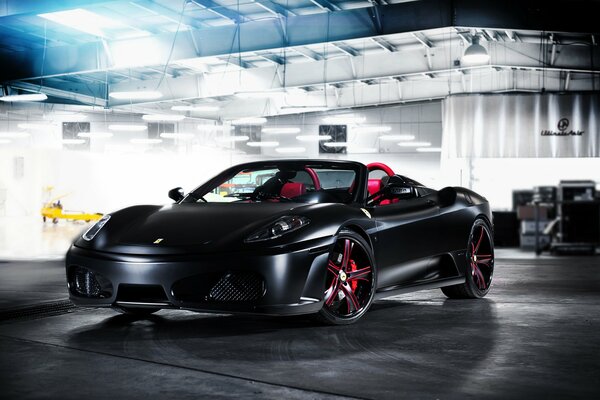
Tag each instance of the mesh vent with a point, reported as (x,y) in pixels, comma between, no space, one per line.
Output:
(85,283)
(238,287)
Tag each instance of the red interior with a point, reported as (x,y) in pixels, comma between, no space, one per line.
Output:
(293,189)
(375,185)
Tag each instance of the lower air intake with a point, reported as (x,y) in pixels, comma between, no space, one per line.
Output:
(238,287)
(85,283)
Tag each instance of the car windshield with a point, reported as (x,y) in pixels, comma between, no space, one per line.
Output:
(287,182)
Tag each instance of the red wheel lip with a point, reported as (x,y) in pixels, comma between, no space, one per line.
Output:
(476,260)
(363,274)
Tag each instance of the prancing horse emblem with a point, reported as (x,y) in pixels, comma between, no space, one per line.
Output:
(157,241)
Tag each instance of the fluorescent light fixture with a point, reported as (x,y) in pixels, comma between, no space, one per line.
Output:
(414,144)
(249,121)
(313,138)
(67,117)
(5,141)
(395,138)
(95,135)
(263,144)
(212,128)
(371,129)
(429,149)
(73,141)
(280,130)
(28,125)
(14,135)
(145,141)
(475,53)
(83,20)
(178,135)
(289,150)
(229,139)
(336,144)
(24,97)
(128,128)
(349,119)
(163,117)
(137,95)
(196,108)
(364,150)
(259,94)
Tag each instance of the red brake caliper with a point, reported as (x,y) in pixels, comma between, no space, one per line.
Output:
(352,267)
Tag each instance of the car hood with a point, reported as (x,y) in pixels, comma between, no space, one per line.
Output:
(201,224)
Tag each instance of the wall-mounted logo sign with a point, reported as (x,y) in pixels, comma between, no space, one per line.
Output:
(562,126)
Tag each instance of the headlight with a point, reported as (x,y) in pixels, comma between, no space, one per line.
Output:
(279,228)
(94,229)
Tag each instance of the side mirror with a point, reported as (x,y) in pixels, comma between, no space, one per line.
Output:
(176,194)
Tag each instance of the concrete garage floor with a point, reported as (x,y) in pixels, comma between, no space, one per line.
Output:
(536,336)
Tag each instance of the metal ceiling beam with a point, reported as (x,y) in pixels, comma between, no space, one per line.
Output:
(60,93)
(336,26)
(220,10)
(14,8)
(340,70)
(325,5)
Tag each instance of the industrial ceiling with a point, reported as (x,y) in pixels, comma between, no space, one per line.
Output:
(233,59)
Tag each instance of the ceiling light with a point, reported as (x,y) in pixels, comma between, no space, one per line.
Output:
(280,130)
(249,121)
(394,138)
(364,150)
(344,120)
(226,139)
(263,144)
(414,144)
(313,138)
(83,20)
(34,126)
(5,141)
(179,135)
(429,149)
(162,117)
(95,135)
(371,129)
(475,53)
(211,128)
(128,128)
(288,150)
(74,141)
(137,95)
(336,144)
(24,97)
(259,94)
(145,141)
(195,108)
(14,135)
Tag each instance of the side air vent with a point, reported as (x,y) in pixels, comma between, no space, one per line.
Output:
(238,287)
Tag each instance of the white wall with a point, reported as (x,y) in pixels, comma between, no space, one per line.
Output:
(114,173)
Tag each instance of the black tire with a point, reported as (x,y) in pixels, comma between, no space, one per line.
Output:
(478,277)
(361,279)
(137,311)
(55,220)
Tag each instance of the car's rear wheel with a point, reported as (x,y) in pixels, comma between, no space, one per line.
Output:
(480,264)
(137,311)
(351,280)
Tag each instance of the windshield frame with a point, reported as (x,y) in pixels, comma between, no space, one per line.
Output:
(359,169)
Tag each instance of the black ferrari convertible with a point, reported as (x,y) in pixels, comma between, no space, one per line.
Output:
(287,237)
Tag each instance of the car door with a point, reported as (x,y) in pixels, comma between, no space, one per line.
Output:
(406,239)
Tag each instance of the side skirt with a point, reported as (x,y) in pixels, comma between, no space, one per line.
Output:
(396,290)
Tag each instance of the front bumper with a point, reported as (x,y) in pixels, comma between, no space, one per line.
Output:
(293,280)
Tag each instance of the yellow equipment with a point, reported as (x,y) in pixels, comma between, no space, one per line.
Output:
(53,210)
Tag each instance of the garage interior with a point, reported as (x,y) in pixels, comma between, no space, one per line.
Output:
(107,104)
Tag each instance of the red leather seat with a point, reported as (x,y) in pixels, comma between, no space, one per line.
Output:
(375,186)
(293,189)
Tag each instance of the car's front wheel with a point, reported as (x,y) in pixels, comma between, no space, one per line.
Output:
(351,280)
(480,264)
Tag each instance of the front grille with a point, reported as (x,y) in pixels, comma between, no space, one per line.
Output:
(85,283)
(238,287)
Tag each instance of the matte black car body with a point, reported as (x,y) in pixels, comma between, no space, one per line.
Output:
(172,256)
